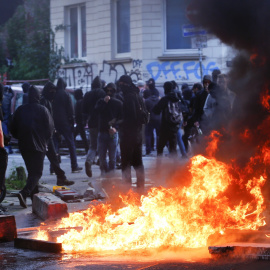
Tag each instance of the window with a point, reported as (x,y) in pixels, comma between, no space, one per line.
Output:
(76,31)
(175,18)
(121,25)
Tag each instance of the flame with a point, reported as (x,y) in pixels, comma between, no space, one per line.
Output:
(257,60)
(168,217)
(213,143)
(265,98)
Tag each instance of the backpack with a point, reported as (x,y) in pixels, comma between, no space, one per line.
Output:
(173,113)
(143,114)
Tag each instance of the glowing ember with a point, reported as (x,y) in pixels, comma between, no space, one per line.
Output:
(265,98)
(168,218)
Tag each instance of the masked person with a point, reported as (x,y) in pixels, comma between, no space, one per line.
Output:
(131,133)
(63,116)
(151,89)
(47,97)
(33,126)
(3,153)
(89,102)
(109,110)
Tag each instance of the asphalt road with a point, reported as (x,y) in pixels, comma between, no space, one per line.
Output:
(14,258)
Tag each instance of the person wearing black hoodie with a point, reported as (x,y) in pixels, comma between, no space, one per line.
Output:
(109,111)
(168,131)
(3,153)
(154,122)
(89,102)
(151,89)
(80,118)
(63,116)
(48,93)
(33,126)
(131,133)
(25,87)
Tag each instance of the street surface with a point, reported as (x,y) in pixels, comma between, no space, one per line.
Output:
(14,258)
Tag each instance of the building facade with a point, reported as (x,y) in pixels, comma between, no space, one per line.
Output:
(143,39)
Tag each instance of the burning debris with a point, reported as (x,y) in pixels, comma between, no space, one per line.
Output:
(168,217)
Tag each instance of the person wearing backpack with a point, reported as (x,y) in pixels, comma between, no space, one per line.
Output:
(169,107)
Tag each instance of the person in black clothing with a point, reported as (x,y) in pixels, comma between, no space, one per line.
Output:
(200,98)
(80,118)
(25,87)
(151,89)
(154,122)
(33,126)
(109,111)
(6,109)
(3,153)
(168,131)
(48,93)
(131,133)
(89,102)
(63,116)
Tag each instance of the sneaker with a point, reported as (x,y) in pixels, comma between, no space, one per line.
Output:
(88,169)
(65,182)
(78,169)
(22,200)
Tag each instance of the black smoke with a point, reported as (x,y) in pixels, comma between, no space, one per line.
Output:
(244,25)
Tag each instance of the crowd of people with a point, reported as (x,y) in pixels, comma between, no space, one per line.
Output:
(121,118)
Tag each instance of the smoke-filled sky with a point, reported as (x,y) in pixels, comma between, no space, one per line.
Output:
(243,24)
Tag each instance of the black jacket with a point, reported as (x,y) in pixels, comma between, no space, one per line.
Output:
(150,104)
(63,111)
(32,124)
(109,114)
(199,101)
(47,96)
(161,107)
(89,102)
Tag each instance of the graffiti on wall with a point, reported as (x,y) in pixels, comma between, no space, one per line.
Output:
(82,76)
(176,70)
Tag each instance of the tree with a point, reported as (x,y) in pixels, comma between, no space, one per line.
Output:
(28,40)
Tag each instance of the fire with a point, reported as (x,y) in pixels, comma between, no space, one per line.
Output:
(265,98)
(168,217)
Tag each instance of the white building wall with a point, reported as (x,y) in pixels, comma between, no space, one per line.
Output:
(146,59)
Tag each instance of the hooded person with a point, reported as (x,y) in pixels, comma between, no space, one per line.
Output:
(154,123)
(151,89)
(199,102)
(47,97)
(25,87)
(109,111)
(131,132)
(3,153)
(89,102)
(63,115)
(32,125)
(168,130)
(80,118)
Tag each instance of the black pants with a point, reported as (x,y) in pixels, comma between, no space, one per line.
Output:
(131,155)
(3,166)
(53,158)
(80,130)
(167,136)
(34,164)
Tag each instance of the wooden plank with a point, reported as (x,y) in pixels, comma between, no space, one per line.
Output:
(8,230)
(38,245)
